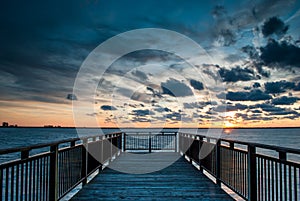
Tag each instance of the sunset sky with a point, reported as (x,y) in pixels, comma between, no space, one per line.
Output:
(253,46)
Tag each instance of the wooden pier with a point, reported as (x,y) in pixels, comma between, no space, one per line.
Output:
(51,171)
(180,181)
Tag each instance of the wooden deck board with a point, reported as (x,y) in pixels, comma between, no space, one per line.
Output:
(180,181)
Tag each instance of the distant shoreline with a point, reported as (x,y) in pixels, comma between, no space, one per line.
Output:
(148,128)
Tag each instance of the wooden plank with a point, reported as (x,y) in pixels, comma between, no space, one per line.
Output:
(179,181)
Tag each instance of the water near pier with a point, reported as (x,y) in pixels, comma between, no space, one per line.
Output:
(19,137)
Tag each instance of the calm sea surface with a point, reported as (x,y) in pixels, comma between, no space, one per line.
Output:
(19,137)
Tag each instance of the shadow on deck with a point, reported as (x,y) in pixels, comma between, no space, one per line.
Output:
(180,181)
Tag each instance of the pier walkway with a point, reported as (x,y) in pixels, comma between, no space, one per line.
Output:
(180,181)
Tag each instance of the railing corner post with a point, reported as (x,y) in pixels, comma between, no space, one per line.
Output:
(150,150)
(252,181)
(218,162)
(53,182)
(84,162)
(124,142)
(176,142)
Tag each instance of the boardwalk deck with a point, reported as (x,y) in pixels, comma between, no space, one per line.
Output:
(180,181)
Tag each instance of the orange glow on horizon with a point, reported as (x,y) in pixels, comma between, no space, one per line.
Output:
(40,114)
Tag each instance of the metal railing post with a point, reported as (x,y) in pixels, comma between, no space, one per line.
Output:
(53,178)
(252,183)
(150,143)
(124,142)
(218,162)
(84,162)
(176,142)
(199,155)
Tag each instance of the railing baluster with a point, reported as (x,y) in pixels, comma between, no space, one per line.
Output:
(1,184)
(53,177)
(84,162)
(295,184)
(252,173)
(218,162)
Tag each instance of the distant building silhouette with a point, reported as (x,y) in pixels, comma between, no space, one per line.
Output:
(4,124)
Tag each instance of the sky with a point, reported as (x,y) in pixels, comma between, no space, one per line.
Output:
(246,74)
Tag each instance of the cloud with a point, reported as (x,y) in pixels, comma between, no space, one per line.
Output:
(141,75)
(267,107)
(196,84)
(255,61)
(253,95)
(256,111)
(280,54)
(256,85)
(236,74)
(297,87)
(250,51)
(175,116)
(284,100)
(162,109)
(229,108)
(226,37)
(175,88)
(278,86)
(142,113)
(72,97)
(108,107)
(284,112)
(228,26)
(274,25)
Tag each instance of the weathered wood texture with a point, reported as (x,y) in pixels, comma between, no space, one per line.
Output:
(180,181)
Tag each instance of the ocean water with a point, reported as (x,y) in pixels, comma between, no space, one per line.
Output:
(21,137)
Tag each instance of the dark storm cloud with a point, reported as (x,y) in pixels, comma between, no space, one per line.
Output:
(196,84)
(155,93)
(229,23)
(44,43)
(195,105)
(175,88)
(274,25)
(175,116)
(142,113)
(229,108)
(280,54)
(255,61)
(108,107)
(284,100)
(72,97)
(256,111)
(284,112)
(162,109)
(278,86)
(236,74)
(297,87)
(253,95)
(250,51)
(256,85)
(267,107)
(141,75)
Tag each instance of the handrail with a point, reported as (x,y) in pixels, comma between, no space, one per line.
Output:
(52,174)
(253,176)
(42,145)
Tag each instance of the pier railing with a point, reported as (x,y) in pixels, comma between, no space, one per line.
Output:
(145,141)
(269,175)
(253,171)
(52,174)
